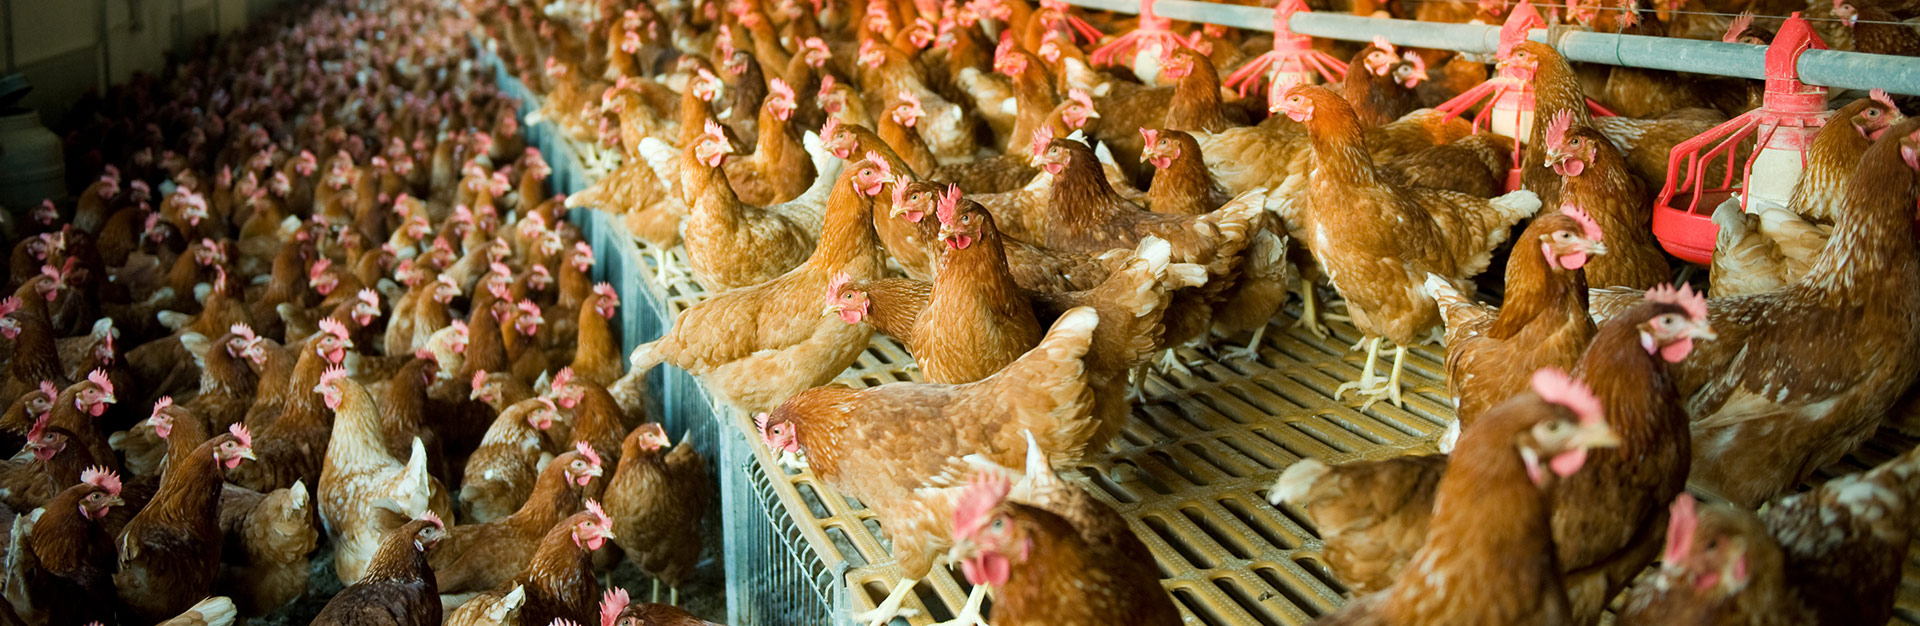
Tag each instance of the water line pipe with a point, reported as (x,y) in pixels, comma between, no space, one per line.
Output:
(1831,68)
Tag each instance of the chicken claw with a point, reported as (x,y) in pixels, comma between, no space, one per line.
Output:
(1139,378)
(665,270)
(969,614)
(1249,352)
(890,608)
(1170,361)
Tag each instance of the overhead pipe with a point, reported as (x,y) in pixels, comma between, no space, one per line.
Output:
(1830,68)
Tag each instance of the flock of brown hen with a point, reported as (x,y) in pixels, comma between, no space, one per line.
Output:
(316,291)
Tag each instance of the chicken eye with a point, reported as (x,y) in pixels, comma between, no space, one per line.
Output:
(999,524)
(1873,112)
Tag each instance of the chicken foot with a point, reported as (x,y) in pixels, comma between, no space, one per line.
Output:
(1170,361)
(1139,379)
(1251,350)
(890,608)
(664,267)
(1372,386)
(970,614)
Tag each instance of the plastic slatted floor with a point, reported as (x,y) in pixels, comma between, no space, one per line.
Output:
(1190,470)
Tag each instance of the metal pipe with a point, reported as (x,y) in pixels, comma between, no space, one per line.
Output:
(1661,53)
(1831,68)
(1855,70)
(1472,38)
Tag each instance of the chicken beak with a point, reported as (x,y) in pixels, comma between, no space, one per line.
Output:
(1596,435)
(832,309)
(115,501)
(1703,332)
(1554,157)
(248,454)
(1596,248)
(962,550)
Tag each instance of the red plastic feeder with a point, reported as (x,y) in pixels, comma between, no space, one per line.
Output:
(1077,26)
(1510,112)
(1293,60)
(1783,127)
(1151,31)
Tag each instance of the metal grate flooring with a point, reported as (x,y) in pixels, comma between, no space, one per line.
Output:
(1190,470)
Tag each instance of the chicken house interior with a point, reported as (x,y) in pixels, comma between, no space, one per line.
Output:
(667,312)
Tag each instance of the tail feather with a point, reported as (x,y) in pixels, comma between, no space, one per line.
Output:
(1296,482)
(1745,259)
(645,356)
(1455,309)
(214,611)
(1064,421)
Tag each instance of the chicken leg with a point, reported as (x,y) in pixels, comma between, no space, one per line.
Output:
(970,614)
(890,608)
(1309,313)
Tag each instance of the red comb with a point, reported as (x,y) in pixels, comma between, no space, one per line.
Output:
(587,451)
(838,281)
(948,209)
(1694,303)
(986,491)
(1880,95)
(99,378)
(1557,387)
(1588,228)
(103,478)
(332,374)
(240,432)
(1557,129)
(1681,524)
(612,604)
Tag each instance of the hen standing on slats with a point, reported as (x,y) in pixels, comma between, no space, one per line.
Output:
(791,347)
(1378,241)
(657,499)
(902,448)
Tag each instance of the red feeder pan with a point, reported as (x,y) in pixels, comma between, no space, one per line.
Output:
(1784,125)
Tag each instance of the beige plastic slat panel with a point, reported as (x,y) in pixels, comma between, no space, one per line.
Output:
(1190,470)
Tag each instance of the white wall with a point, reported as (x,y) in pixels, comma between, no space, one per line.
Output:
(57,43)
